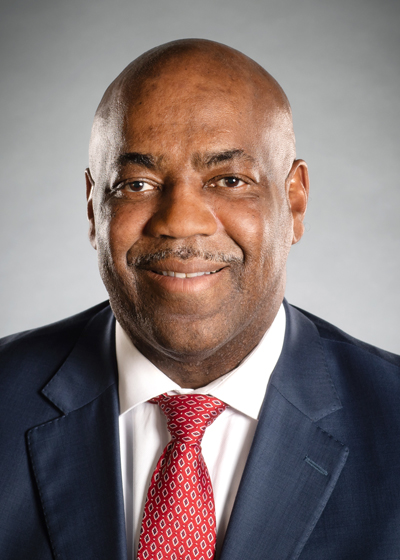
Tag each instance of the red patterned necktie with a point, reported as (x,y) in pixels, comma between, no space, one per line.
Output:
(179,517)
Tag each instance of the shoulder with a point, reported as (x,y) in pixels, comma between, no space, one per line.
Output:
(335,337)
(360,372)
(46,347)
(60,330)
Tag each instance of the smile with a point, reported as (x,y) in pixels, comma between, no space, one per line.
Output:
(183,274)
(186,278)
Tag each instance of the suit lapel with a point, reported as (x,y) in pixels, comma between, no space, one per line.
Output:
(293,465)
(75,458)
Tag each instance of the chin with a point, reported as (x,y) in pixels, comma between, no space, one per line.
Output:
(184,339)
(188,341)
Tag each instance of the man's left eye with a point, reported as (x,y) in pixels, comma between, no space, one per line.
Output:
(230,182)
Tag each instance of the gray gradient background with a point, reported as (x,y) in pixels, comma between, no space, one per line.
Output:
(338,61)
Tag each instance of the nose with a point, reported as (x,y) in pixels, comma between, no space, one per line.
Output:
(183,211)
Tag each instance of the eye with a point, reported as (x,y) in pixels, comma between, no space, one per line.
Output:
(229,182)
(138,186)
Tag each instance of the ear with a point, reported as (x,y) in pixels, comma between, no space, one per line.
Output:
(298,185)
(90,213)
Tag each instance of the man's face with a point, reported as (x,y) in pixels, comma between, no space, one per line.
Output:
(192,218)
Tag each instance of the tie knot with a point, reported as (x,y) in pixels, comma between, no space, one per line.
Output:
(188,416)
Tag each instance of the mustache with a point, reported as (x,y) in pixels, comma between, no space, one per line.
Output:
(185,254)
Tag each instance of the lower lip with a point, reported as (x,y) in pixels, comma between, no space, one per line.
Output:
(186,285)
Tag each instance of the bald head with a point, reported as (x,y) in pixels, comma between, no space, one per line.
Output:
(194,71)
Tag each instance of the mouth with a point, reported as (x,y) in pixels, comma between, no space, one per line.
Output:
(177,274)
(195,275)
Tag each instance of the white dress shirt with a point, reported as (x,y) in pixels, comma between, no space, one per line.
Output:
(226,443)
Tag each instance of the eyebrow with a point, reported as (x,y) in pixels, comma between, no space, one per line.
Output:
(214,158)
(145,160)
(208,160)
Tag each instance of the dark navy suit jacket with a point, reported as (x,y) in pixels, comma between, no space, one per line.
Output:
(322,481)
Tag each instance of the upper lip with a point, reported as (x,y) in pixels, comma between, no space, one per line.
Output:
(187,267)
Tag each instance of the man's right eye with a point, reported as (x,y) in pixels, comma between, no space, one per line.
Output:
(138,186)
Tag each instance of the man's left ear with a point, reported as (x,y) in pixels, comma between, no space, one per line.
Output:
(297,188)
(90,213)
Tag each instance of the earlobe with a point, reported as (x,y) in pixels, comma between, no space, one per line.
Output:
(297,189)
(90,213)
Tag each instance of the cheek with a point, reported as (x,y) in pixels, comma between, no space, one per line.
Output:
(261,227)
(121,227)
(242,220)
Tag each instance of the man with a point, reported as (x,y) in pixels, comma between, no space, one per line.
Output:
(195,197)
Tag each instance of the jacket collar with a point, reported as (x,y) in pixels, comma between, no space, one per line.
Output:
(301,374)
(90,368)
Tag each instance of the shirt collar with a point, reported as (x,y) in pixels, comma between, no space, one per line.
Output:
(243,388)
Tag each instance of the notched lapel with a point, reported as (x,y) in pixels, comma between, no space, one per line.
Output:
(301,374)
(291,472)
(293,465)
(75,458)
(89,369)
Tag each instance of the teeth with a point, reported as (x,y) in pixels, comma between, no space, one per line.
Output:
(183,275)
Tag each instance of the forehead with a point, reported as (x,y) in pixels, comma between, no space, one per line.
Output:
(196,110)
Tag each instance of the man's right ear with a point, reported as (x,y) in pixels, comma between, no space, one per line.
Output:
(90,213)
